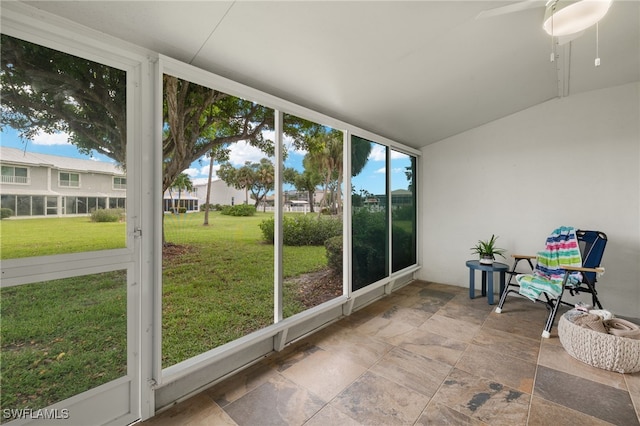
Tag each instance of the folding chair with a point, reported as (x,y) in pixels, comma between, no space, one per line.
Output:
(581,276)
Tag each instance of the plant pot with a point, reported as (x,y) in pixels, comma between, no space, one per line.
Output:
(486,260)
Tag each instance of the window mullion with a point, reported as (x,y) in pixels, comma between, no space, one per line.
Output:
(278,215)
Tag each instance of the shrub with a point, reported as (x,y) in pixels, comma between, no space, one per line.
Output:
(334,253)
(404,213)
(182,209)
(403,243)
(107,215)
(211,207)
(303,230)
(369,246)
(238,210)
(5,213)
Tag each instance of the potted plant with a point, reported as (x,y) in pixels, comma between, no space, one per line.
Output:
(487,250)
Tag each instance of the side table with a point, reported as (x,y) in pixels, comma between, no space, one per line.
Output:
(474,265)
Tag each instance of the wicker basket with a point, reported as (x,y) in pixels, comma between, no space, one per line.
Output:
(602,350)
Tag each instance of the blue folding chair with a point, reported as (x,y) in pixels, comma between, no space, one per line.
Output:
(592,245)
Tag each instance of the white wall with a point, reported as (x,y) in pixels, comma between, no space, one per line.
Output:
(571,161)
(221,194)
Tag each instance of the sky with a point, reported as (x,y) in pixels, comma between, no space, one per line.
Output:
(372,177)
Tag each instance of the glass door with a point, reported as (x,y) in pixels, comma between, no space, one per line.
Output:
(69,315)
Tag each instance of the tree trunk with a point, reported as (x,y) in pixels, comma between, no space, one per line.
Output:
(208,198)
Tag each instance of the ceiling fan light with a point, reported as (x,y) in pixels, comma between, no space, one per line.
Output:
(568,17)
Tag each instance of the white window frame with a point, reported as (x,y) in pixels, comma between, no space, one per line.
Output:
(60,180)
(119,186)
(13,180)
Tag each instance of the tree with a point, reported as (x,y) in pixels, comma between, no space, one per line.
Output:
(360,150)
(44,90)
(326,158)
(181,183)
(257,178)
(50,91)
(219,153)
(307,181)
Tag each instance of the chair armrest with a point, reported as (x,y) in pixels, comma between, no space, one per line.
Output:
(599,270)
(523,256)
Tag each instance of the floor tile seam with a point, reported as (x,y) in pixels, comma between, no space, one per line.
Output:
(446,405)
(331,400)
(535,377)
(404,370)
(494,380)
(634,401)
(335,407)
(488,326)
(538,365)
(581,377)
(564,407)
(424,410)
(473,373)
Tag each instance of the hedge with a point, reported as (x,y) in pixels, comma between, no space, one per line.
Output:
(5,213)
(303,230)
(238,210)
(107,215)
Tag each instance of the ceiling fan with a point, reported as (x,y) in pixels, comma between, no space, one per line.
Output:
(562,17)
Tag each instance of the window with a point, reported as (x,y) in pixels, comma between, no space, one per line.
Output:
(119,183)
(403,210)
(52,206)
(231,291)
(312,204)
(369,216)
(71,180)
(12,174)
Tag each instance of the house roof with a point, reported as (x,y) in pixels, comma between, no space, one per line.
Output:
(414,71)
(19,157)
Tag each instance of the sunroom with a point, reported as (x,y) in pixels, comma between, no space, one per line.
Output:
(414,128)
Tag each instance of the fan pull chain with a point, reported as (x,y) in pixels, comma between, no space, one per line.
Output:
(597,61)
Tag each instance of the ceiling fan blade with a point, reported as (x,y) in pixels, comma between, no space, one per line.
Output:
(510,8)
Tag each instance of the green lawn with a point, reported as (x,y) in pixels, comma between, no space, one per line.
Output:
(40,237)
(65,336)
(222,288)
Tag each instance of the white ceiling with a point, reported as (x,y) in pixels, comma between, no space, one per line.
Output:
(415,72)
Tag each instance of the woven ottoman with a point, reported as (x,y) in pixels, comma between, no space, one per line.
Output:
(602,350)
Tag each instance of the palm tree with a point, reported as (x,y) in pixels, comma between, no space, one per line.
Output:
(265,179)
(181,183)
(326,158)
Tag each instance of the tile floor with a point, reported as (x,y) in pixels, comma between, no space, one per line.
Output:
(425,355)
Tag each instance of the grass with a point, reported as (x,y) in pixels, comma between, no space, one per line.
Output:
(42,237)
(223,283)
(62,337)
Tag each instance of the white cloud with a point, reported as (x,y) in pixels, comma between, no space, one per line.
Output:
(42,138)
(378,154)
(191,172)
(241,152)
(381,170)
(396,154)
